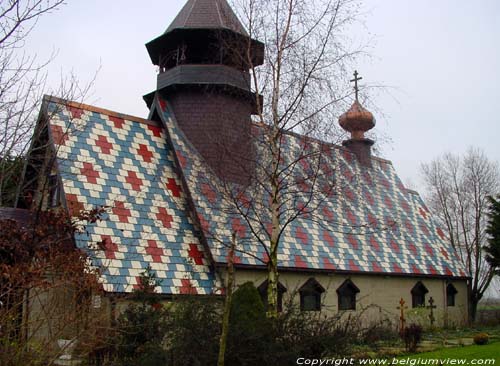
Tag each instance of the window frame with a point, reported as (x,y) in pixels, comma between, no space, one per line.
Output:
(311,288)
(419,290)
(347,289)
(263,294)
(451,291)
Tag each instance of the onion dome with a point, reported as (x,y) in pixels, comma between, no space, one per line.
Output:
(357,120)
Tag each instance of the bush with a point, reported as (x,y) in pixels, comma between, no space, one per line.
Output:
(194,327)
(142,327)
(250,337)
(382,331)
(481,339)
(412,335)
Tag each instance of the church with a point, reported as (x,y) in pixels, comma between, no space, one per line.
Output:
(370,242)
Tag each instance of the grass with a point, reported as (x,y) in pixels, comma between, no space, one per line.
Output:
(489,351)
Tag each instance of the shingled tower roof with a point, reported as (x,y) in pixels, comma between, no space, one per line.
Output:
(207,14)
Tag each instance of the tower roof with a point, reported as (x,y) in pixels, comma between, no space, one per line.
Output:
(203,14)
(200,22)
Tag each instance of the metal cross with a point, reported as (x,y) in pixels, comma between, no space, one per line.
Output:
(402,320)
(355,81)
(431,307)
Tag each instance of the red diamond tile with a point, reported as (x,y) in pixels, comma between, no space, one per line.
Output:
(374,244)
(163,104)
(145,153)
(238,227)
(432,269)
(89,172)
(76,113)
(415,269)
(196,254)
(164,217)
(153,250)
(120,211)
(299,262)
(429,250)
(395,246)
(174,187)
(444,253)
(59,136)
(156,130)
(208,192)
(353,241)
(74,206)
(104,144)
(109,247)
(328,213)
(301,234)
(376,267)
(328,238)
(187,287)
(353,266)
(440,233)
(396,268)
(327,264)
(117,121)
(133,180)
(422,213)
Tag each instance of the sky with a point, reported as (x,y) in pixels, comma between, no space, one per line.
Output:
(438,61)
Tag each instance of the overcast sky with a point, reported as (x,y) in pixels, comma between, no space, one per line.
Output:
(439,58)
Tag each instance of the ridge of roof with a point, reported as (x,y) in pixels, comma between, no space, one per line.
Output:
(92,108)
(331,144)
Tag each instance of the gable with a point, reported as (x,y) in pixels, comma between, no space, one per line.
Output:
(124,164)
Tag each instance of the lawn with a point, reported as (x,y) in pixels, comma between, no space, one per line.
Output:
(489,351)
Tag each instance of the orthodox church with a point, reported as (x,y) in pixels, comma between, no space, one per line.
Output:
(164,179)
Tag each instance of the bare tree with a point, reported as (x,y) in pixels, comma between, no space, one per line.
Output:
(305,88)
(22,85)
(458,188)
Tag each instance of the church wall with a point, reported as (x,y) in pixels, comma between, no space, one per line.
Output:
(379,295)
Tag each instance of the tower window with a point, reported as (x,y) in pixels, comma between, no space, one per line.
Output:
(451,291)
(263,294)
(310,295)
(418,295)
(347,295)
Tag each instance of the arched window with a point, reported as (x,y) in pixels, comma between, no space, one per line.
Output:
(310,295)
(263,294)
(346,294)
(418,295)
(451,291)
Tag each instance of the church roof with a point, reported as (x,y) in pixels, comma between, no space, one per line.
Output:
(179,224)
(370,224)
(207,14)
(124,163)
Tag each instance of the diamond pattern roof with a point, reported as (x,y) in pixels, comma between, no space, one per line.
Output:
(367,222)
(126,165)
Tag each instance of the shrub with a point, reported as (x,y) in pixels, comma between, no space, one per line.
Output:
(412,335)
(481,339)
(142,327)
(382,331)
(194,326)
(250,338)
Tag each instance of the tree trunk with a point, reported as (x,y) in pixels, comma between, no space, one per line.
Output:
(272,282)
(473,301)
(227,303)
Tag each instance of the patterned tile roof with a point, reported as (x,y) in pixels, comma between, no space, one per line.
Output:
(124,163)
(366,222)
